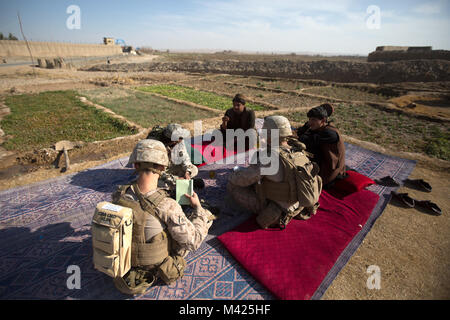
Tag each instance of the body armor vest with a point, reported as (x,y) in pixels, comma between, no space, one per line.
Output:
(144,254)
(300,181)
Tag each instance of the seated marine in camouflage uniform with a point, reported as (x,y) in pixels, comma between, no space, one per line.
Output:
(162,235)
(274,197)
(180,162)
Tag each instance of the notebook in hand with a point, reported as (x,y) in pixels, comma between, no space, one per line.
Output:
(183,187)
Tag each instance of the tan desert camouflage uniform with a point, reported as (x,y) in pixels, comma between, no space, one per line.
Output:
(150,151)
(162,234)
(162,237)
(180,161)
(243,187)
(177,167)
(168,178)
(187,233)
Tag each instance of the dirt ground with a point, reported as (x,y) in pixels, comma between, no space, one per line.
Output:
(411,247)
(425,104)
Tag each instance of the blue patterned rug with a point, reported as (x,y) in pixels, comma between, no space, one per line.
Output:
(45,228)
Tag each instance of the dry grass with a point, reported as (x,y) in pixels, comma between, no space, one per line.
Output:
(425,104)
(393,130)
(346,94)
(280,84)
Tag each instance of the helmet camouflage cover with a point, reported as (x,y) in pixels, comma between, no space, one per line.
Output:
(177,130)
(149,150)
(278,122)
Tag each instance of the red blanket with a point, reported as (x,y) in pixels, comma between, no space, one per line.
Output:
(211,153)
(292,263)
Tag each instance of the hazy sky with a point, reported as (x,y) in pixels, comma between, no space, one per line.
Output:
(341,26)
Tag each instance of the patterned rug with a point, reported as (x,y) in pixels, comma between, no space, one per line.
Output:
(45,231)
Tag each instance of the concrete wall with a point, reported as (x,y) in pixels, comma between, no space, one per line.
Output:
(10,48)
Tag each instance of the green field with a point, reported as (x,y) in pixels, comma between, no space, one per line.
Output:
(203,98)
(144,109)
(39,120)
(389,129)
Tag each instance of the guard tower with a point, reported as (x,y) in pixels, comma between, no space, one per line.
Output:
(108,41)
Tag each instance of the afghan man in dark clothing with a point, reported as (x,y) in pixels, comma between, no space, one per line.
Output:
(324,142)
(238,117)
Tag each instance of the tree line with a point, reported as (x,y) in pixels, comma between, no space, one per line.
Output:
(9,37)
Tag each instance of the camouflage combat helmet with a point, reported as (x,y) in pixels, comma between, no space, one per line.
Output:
(278,122)
(177,130)
(151,151)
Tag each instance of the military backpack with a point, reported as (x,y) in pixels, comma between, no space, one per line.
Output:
(301,181)
(112,227)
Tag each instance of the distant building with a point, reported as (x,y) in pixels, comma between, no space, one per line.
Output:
(108,41)
(398,48)
(396,53)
